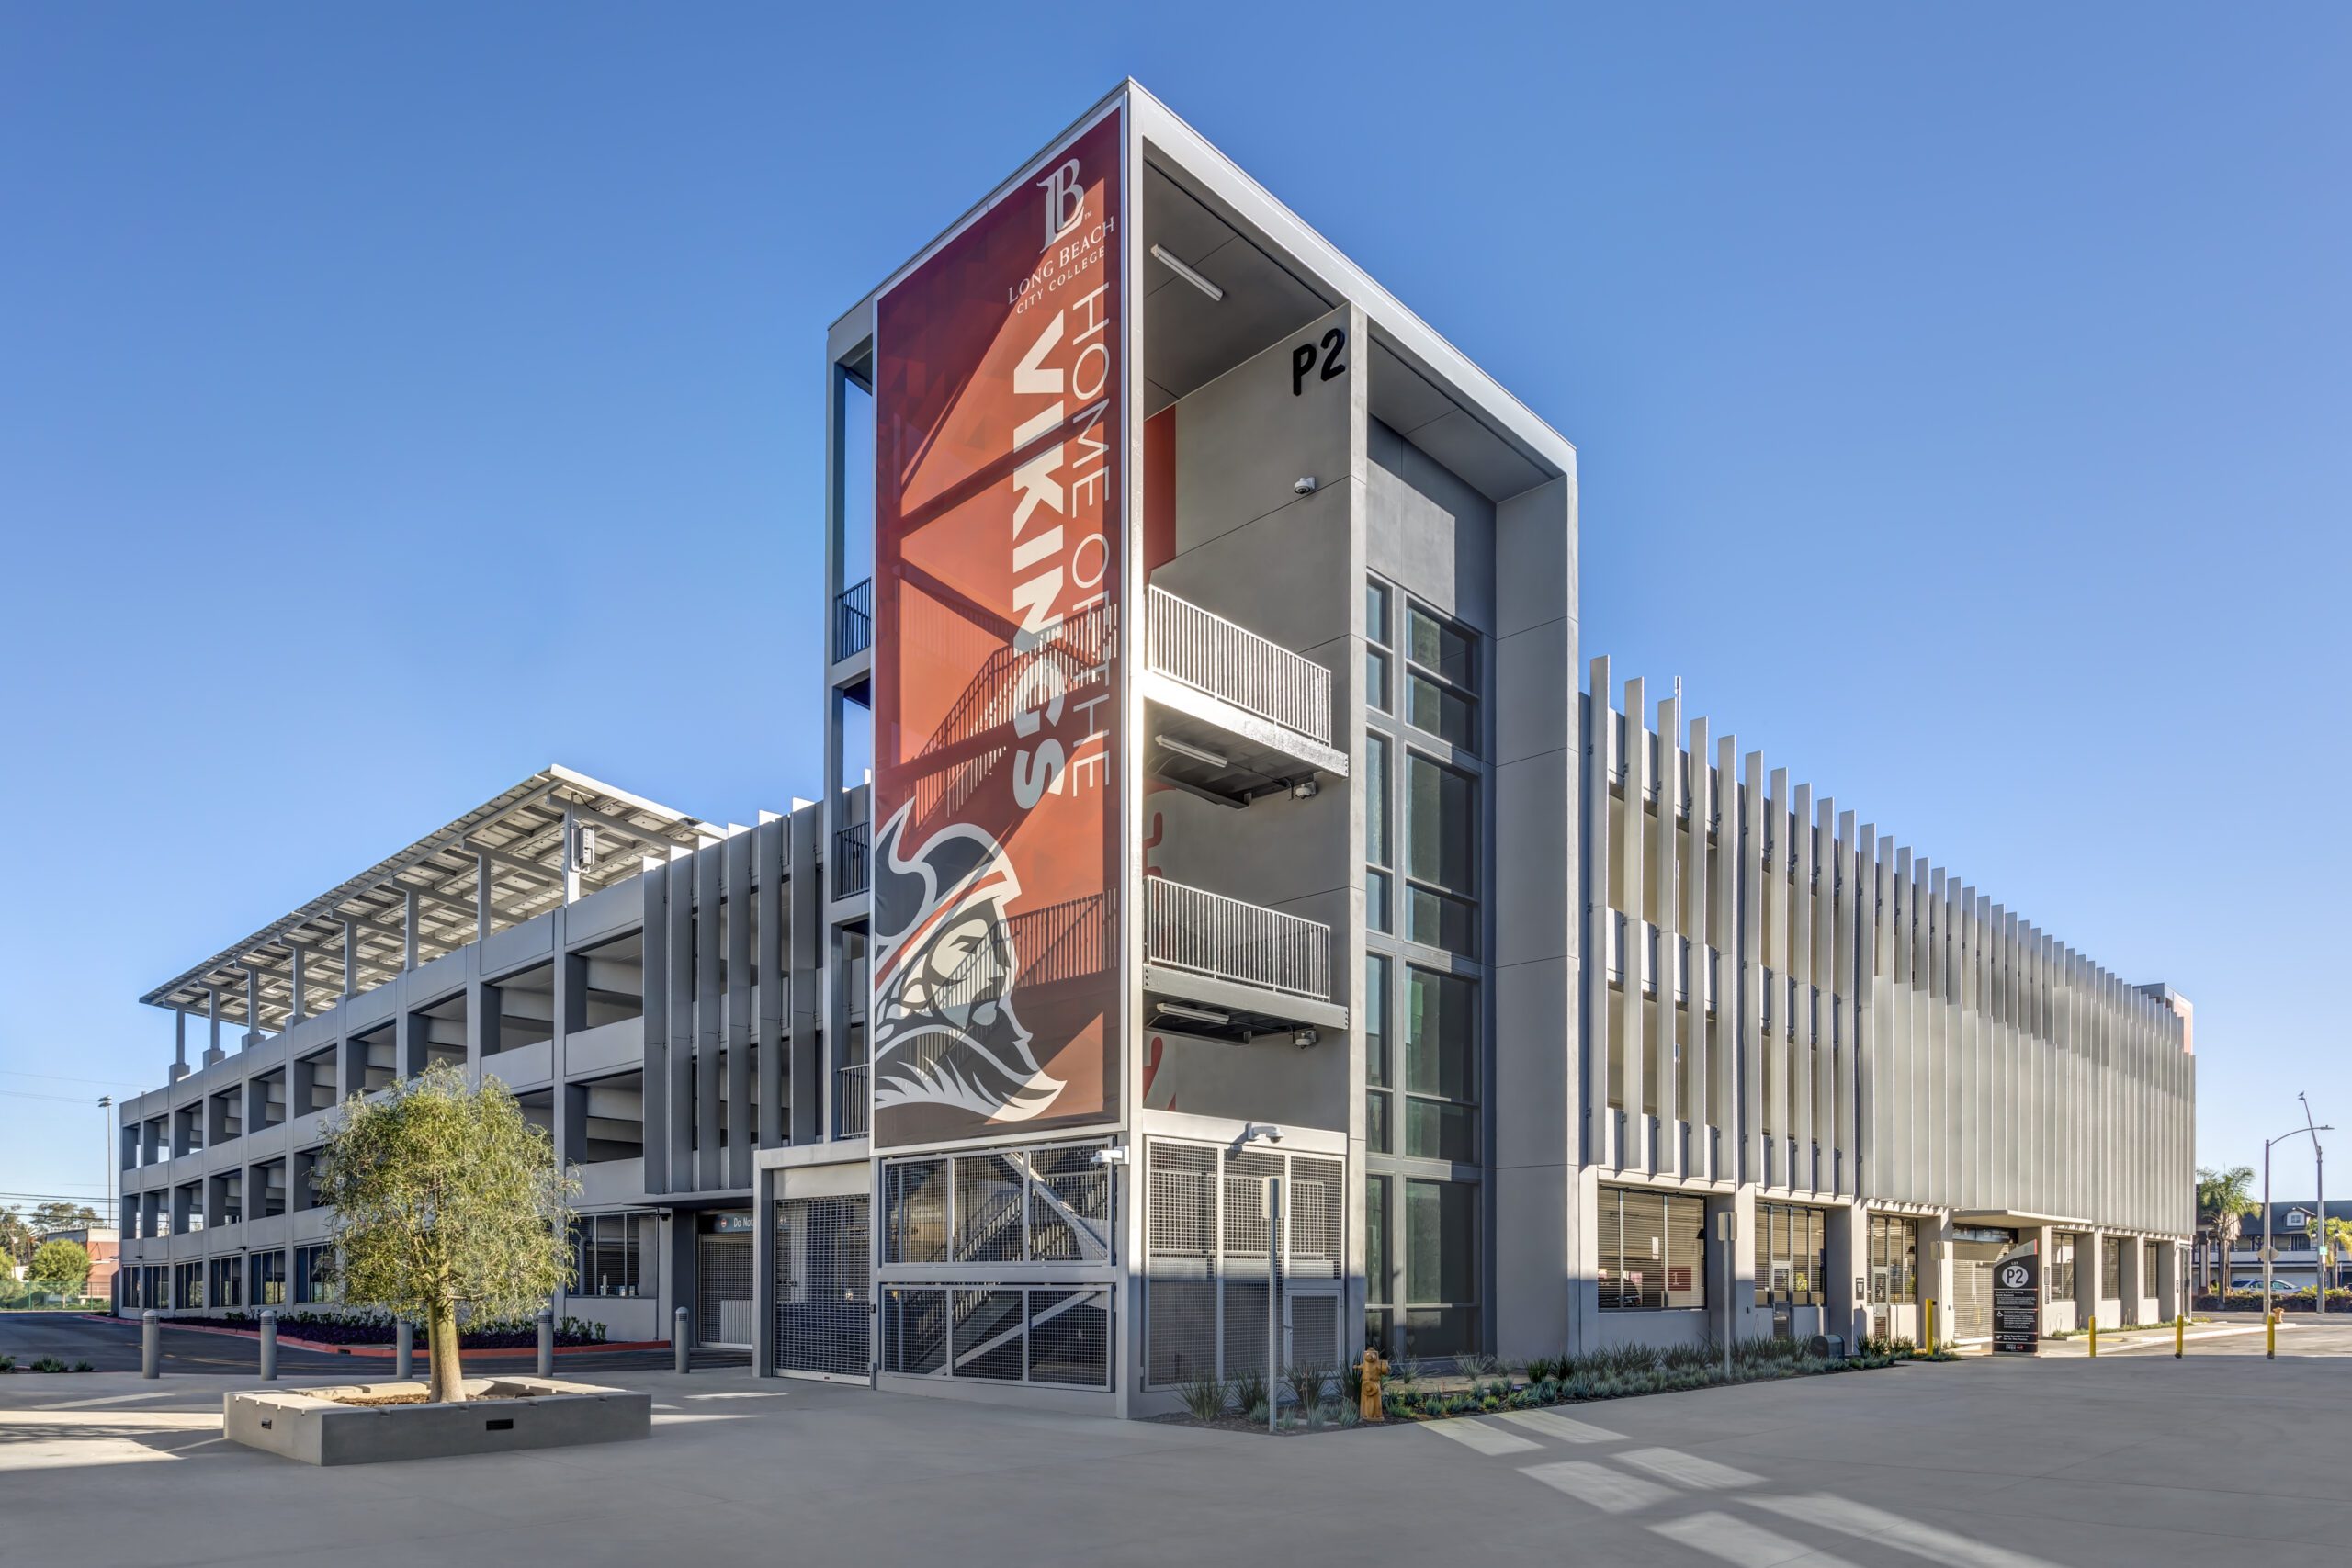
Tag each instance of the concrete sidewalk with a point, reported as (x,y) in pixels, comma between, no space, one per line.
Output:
(2135,1460)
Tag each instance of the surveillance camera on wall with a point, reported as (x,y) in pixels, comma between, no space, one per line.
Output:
(1304,485)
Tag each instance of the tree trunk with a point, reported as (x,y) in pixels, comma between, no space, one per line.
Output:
(448,1376)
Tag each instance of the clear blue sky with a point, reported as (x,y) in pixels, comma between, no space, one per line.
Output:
(1964,398)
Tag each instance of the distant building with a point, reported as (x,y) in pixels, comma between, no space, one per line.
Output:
(103,1243)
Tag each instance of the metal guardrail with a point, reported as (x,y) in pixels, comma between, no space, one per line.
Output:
(1207,933)
(853,860)
(854,619)
(853,1108)
(1211,654)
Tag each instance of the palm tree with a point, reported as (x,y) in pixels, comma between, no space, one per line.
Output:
(2223,1199)
(2334,1246)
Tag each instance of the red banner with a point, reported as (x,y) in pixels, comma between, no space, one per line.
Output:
(1000,408)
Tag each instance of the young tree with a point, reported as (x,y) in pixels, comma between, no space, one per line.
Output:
(446,1197)
(59,1266)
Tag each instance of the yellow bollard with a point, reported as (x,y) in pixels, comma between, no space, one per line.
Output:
(2094,1332)
(2270,1335)
(1928,1342)
(2179,1334)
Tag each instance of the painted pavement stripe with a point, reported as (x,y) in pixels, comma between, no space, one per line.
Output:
(1479,1435)
(1566,1429)
(1611,1491)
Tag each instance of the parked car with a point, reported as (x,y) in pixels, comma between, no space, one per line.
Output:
(2277,1287)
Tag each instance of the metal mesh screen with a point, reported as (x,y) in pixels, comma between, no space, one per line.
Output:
(1070,1337)
(914,1332)
(1315,1330)
(824,1286)
(990,1328)
(723,1290)
(989,1190)
(1070,1208)
(1206,1235)
(1245,1327)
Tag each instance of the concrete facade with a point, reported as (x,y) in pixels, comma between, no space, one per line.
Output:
(1559,988)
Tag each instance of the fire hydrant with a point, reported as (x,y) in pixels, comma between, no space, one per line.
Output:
(1375,1367)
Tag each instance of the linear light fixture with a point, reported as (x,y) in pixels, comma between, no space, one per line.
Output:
(1197,753)
(1159,253)
(1190,1014)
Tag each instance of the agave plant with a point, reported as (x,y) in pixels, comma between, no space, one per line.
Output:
(1204,1397)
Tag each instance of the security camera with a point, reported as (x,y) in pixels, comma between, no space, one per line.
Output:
(1113,1155)
(1305,1038)
(1305,789)
(1303,485)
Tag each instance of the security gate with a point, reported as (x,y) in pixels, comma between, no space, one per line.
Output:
(1973,1252)
(824,1286)
(723,1314)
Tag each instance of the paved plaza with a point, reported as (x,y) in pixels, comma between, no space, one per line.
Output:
(2135,1459)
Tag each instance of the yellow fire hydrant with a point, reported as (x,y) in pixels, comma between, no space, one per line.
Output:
(1373,1367)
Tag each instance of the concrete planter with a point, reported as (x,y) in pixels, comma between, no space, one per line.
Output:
(311,1426)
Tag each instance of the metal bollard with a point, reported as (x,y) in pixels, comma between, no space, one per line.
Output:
(2179,1334)
(547,1343)
(2094,1331)
(403,1351)
(678,1338)
(269,1344)
(2270,1335)
(151,1344)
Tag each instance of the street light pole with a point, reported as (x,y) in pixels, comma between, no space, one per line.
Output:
(2319,1180)
(2314,1132)
(105,1135)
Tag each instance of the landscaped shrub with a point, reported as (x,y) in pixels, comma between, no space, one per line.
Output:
(49,1364)
(1250,1394)
(1204,1397)
(1305,1380)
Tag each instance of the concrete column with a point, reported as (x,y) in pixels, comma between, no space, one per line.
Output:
(351,954)
(707,1037)
(212,1052)
(296,1013)
(804,933)
(483,914)
(680,1014)
(1662,906)
(1704,1112)
(1723,938)
(1639,1088)
(179,1043)
(654,943)
(1802,860)
(1752,977)
(1599,730)
(742,1122)
(408,931)
(1846,1303)
(1777,855)
(769,1005)
(253,1009)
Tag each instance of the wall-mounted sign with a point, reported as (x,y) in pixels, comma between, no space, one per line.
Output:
(1000,545)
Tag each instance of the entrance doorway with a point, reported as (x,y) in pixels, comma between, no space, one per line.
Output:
(723,1280)
(824,1286)
(1974,1249)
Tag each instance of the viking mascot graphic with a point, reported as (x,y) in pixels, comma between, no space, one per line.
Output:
(944,1031)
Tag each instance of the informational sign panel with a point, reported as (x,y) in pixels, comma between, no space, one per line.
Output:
(1000,539)
(2016,1300)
